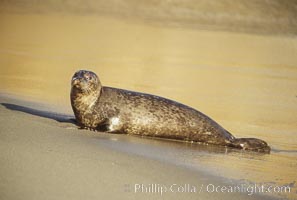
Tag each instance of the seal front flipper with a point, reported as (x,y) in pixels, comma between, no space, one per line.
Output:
(103,126)
(111,125)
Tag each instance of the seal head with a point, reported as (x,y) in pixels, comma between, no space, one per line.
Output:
(85,82)
(85,91)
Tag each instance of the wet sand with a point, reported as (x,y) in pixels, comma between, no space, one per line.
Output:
(42,158)
(246,82)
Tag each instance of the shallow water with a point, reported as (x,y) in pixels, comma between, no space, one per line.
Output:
(246,82)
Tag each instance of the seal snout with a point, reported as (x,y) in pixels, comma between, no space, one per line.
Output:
(75,80)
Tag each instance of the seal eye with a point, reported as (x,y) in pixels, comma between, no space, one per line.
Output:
(89,78)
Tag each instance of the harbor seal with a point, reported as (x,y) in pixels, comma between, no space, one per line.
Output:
(113,110)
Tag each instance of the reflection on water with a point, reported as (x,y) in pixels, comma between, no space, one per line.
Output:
(245,82)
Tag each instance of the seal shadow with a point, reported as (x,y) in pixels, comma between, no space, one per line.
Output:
(45,114)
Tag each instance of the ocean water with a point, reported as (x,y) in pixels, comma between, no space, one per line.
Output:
(238,70)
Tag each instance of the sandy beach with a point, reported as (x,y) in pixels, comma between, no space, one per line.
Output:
(232,60)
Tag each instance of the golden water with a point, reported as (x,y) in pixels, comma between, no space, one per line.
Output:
(246,82)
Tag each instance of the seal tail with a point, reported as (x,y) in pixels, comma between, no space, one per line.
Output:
(252,144)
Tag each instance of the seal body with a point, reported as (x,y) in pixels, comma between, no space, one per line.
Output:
(121,111)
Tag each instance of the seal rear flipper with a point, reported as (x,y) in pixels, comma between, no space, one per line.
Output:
(251,144)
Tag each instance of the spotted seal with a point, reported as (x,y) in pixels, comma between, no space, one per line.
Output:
(115,110)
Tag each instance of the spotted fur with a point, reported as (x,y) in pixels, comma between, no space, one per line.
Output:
(121,111)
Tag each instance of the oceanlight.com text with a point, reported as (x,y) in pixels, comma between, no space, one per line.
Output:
(249,189)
